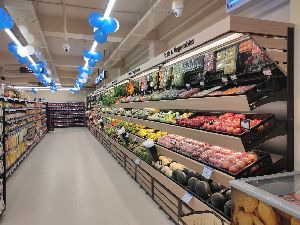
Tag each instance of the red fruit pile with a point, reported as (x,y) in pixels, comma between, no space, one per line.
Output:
(223,158)
(228,123)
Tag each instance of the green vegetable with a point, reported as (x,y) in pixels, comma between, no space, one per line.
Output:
(203,190)
(192,184)
(182,178)
(218,201)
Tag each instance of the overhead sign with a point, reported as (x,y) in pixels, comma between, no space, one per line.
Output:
(100,77)
(24,69)
(234,4)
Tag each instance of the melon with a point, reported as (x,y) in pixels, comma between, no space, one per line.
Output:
(192,184)
(182,178)
(218,200)
(203,189)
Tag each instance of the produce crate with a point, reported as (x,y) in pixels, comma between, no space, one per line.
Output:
(201,218)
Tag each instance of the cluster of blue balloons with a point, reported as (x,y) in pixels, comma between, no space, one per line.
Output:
(102,28)
(6,22)
(13,48)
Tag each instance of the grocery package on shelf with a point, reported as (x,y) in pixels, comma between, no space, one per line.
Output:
(67,114)
(25,125)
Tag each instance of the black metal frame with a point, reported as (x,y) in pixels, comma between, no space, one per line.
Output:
(290,100)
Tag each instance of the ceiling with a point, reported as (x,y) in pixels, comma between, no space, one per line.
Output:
(45,20)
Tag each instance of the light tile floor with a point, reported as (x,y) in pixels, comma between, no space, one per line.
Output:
(69,179)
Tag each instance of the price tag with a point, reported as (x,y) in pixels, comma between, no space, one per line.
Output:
(188,85)
(187,197)
(178,117)
(135,139)
(233,77)
(245,124)
(173,141)
(207,171)
(224,79)
(202,83)
(137,161)
(267,72)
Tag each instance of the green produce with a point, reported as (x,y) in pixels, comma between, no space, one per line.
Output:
(215,187)
(182,178)
(203,190)
(227,208)
(192,184)
(191,173)
(174,175)
(228,195)
(218,201)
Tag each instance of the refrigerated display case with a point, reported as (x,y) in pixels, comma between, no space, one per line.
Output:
(272,199)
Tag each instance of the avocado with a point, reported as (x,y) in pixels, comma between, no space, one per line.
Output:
(215,187)
(203,190)
(227,208)
(174,175)
(228,195)
(192,173)
(218,201)
(182,178)
(192,184)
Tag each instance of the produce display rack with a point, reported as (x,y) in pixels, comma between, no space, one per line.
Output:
(276,41)
(165,192)
(36,112)
(67,114)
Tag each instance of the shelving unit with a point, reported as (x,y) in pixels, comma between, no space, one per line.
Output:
(271,83)
(67,114)
(2,165)
(23,125)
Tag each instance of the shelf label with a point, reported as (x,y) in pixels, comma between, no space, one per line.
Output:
(202,83)
(187,197)
(188,85)
(135,139)
(267,72)
(245,124)
(233,77)
(224,79)
(207,171)
(137,161)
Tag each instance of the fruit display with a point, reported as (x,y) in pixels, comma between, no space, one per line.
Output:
(222,158)
(228,123)
(188,93)
(130,88)
(234,90)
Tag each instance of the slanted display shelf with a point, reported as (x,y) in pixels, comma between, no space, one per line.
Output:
(238,65)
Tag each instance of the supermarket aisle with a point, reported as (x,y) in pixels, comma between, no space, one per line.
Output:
(69,179)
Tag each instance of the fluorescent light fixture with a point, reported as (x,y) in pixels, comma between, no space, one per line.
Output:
(109,8)
(12,36)
(94,46)
(40,88)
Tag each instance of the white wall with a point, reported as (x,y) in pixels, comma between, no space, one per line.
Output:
(61,96)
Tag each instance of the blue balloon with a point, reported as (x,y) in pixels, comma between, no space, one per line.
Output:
(33,90)
(82,69)
(100,36)
(12,47)
(92,62)
(22,60)
(110,25)
(6,22)
(95,20)
(92,55)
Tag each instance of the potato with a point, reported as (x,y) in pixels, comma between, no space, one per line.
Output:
(256,221)
(250,204)
(295,221)
(244,218)
(267,214)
